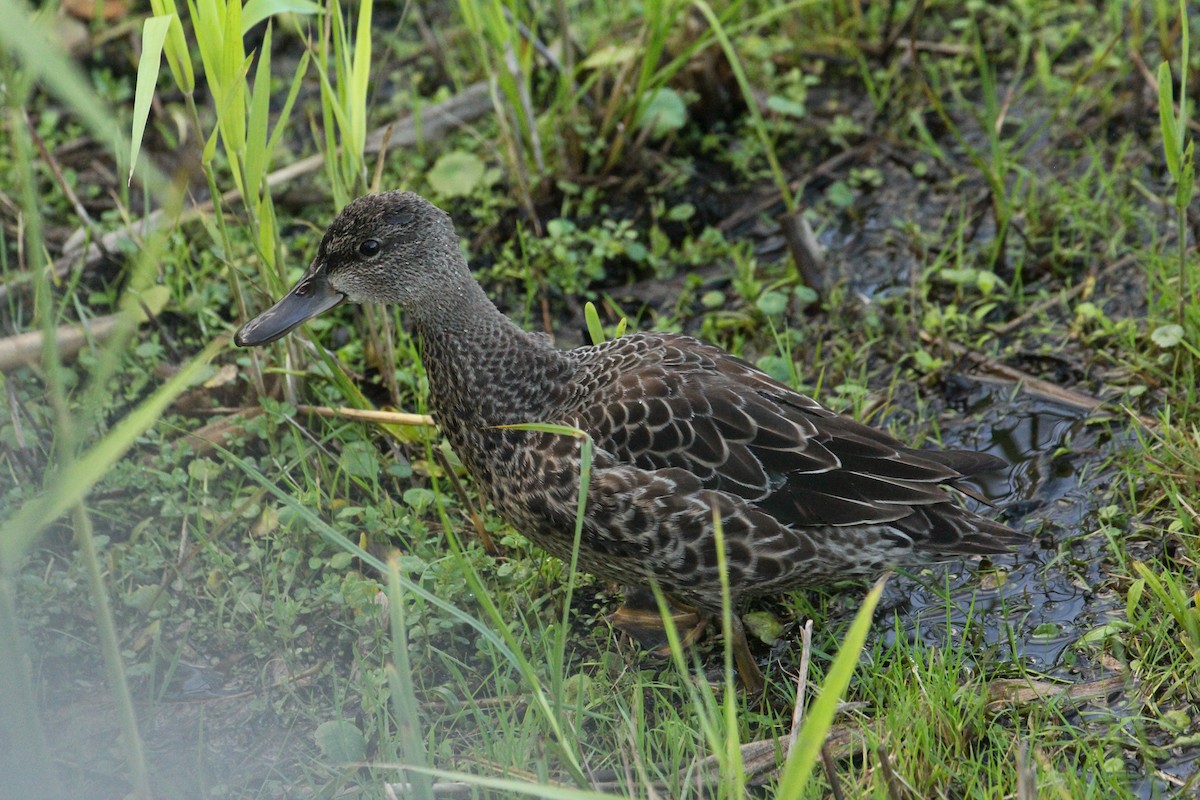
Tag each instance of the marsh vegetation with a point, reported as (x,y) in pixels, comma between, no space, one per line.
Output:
(222,574)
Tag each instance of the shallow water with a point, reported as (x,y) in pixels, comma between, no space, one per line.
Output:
(1036,603)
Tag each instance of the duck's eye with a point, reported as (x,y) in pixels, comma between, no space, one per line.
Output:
(369,248)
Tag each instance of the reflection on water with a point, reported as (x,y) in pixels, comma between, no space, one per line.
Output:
(1042,598)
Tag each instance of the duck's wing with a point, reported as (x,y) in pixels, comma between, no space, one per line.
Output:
(666,401)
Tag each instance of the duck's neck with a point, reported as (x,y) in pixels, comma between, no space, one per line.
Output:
(484,370)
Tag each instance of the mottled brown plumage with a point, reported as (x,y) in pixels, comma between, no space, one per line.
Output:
(681,429)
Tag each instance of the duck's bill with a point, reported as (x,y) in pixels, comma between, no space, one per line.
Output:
(310,297)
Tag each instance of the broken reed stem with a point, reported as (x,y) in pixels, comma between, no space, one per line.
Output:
(890,778)
(835,785)
(1026,777)
(485,538)
(801,684)
(358,414)
(370,415)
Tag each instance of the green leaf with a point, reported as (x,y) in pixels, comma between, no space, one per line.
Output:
(1166,120)
(234,66)
(154,33)
(456,174)
(840,195)
(419,497)
(547,427)
(772,303)
(762,625)
(255,11)
(286,112)
(178,57)
(777,367)
(959,276)
(266,230)
(1134,597)
(786,107)
(257,155)
(1167,336)
(1046,630)
(664,111)
(341,741)
(611,56)
(681,212)
(150,301)
(359,460)
(595,329)
(360,80)
(805,296)
(1106,631)
(819,719)
(1186,185)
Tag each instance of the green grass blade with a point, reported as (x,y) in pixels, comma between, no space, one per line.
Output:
(403,695)
(819,719)
(207,25)
(1166,119)
(179,59)
(1185,54)
(267,229)
(285,113)
(51,67)
(595,329)
(77,477)
(257,154)
(359,79)
(232,69)
(255,11)
(154,34)
(733,774)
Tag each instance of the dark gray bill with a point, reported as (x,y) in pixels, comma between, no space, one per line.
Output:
(311,296)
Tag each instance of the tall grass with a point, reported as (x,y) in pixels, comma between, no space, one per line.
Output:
(615,92)
(1179,153)
(344,65)
(83,454)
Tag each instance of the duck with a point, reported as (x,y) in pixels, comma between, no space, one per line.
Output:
(684,437)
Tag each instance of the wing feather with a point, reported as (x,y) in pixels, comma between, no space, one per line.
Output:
(662,401)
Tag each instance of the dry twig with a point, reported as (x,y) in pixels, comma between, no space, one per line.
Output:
(26,348)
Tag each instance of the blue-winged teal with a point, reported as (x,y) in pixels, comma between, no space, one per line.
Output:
(682,430)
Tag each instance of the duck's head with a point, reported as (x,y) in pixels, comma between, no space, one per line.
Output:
(394,247)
